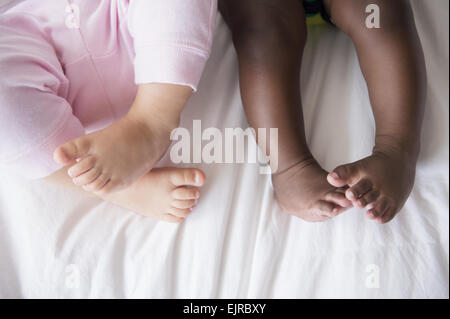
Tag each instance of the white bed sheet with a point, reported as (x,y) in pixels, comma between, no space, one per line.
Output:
(238,243)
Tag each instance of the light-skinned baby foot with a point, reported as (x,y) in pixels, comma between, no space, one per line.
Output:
(166,194)
(381,183)
(113,158)
(302,191)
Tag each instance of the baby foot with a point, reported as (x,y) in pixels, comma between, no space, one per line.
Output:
(303,191)
(113,158)
(166,194)
(381,182)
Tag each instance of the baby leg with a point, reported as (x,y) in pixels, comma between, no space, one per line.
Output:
(392,62)
(173,52)
(113,158)
(269,36)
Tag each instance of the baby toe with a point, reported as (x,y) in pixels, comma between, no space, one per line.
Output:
(184,193)
(359,189)
(109,187)
(82,166)
(338,210)
(325,209)
(171,218)
(188,177)
(343,175)
(388,215)
(380,207)
(177,212)
(97,185)
(87,177)
(72,150)
(183,204)
(368,199)
(370,215)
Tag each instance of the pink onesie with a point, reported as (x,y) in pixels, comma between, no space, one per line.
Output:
(70,67)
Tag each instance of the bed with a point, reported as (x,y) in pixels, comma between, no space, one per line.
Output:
(239,243)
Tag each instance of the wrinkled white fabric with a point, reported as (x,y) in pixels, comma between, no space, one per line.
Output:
(238,242)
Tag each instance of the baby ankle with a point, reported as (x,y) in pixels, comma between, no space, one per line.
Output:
(302,161)
(391,145)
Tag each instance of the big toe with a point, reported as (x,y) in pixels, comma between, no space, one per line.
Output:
(188,177)
(70,151)
(343,175)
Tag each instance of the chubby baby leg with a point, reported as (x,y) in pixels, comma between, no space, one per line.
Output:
(392,62)
(113,158)
(269,36)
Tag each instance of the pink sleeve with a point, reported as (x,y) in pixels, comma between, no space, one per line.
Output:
(172,39)
(34,118)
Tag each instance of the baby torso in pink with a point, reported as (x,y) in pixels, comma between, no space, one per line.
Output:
(68,67)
